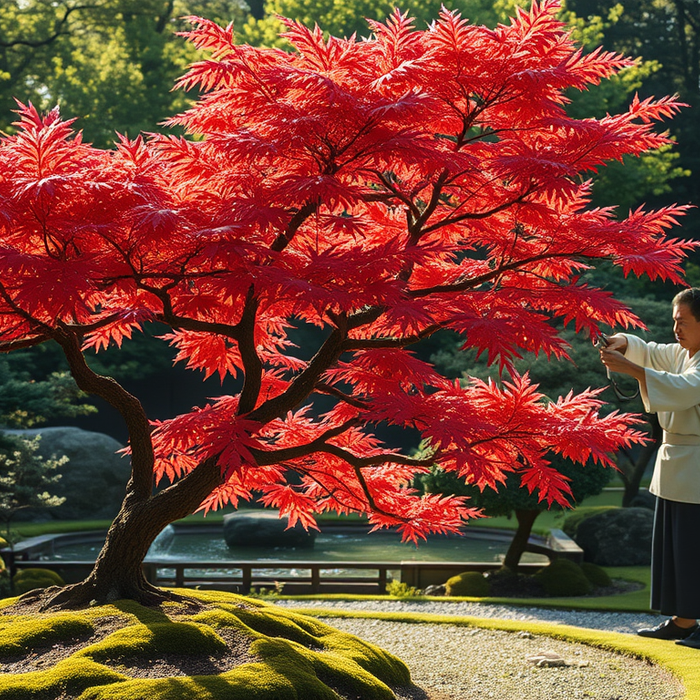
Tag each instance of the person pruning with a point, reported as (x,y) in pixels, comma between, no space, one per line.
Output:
(669,382)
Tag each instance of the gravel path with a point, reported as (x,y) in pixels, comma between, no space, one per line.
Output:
(461,663)
(612,621)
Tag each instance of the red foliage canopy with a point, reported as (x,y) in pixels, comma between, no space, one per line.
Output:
(379,189)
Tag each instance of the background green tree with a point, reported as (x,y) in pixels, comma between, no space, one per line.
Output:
(667,34)
(25,478)
(110,62)
(511,498)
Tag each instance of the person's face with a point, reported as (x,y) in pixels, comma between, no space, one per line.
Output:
(686,328)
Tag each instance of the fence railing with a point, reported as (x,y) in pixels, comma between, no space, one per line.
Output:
(297,577)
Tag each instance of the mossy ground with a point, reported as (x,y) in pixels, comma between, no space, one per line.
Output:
(223,646)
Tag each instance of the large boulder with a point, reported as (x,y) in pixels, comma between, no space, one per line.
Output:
(617,537)
(94,479)
(265,528)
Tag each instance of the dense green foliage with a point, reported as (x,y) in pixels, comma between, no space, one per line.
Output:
(29,579)
(27,399)
(597,575)
(112,62)
(666,33)
(25,478)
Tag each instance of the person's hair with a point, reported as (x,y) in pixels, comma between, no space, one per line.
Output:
(691,298)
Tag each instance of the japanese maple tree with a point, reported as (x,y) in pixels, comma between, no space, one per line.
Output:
(379,189)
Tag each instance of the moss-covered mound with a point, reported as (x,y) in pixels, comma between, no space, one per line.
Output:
(224,647)
(469,583)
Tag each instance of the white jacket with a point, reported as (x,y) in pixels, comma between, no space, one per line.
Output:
(673,392)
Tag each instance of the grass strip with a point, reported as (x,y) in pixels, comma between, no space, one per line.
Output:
(682,662)
(632,601)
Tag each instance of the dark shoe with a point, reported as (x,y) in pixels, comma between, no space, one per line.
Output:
(692,640)
(667,630)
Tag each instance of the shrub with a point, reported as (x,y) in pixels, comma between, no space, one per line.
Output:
(597,575)
(571,522)
(563,578)
(470,583)
(399,589)
(28,579)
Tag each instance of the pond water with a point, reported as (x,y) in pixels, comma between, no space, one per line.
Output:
(330,547)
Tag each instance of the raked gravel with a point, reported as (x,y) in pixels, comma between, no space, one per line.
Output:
(613,621)
(448,662)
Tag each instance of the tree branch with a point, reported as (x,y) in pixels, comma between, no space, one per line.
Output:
(481,279)
(416,230)
(170,318)
(268,457)
(304,383)
(252,365)
(57,31)
(323,388)
(372,343)
(285,237)
(20,344)
(130,408)
(474,215)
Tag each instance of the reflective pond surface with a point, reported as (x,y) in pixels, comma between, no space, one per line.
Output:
(360,546)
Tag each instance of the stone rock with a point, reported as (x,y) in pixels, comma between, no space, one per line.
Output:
(547,659)
(265,528)
(435,589)
(93,482)
(617,537)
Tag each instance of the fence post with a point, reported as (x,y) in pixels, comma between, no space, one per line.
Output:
(247,573)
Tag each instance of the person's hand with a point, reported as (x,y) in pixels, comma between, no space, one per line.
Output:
(617,343)
(615,361)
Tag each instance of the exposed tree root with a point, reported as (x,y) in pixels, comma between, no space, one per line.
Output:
(87,594)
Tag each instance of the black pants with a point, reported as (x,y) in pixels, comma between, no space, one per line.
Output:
(675,559)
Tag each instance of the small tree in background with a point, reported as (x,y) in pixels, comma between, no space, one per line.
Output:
(380,190)
(511,498)
(25,478)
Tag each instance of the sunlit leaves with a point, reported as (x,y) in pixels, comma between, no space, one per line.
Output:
(377,190)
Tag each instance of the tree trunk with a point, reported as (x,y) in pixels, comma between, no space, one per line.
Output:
(118,572)
(526,519)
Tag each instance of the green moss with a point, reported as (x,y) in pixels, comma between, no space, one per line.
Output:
(155,640)
(563,577)
(470,583)
(19,634)
(70,676)
(296,657)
